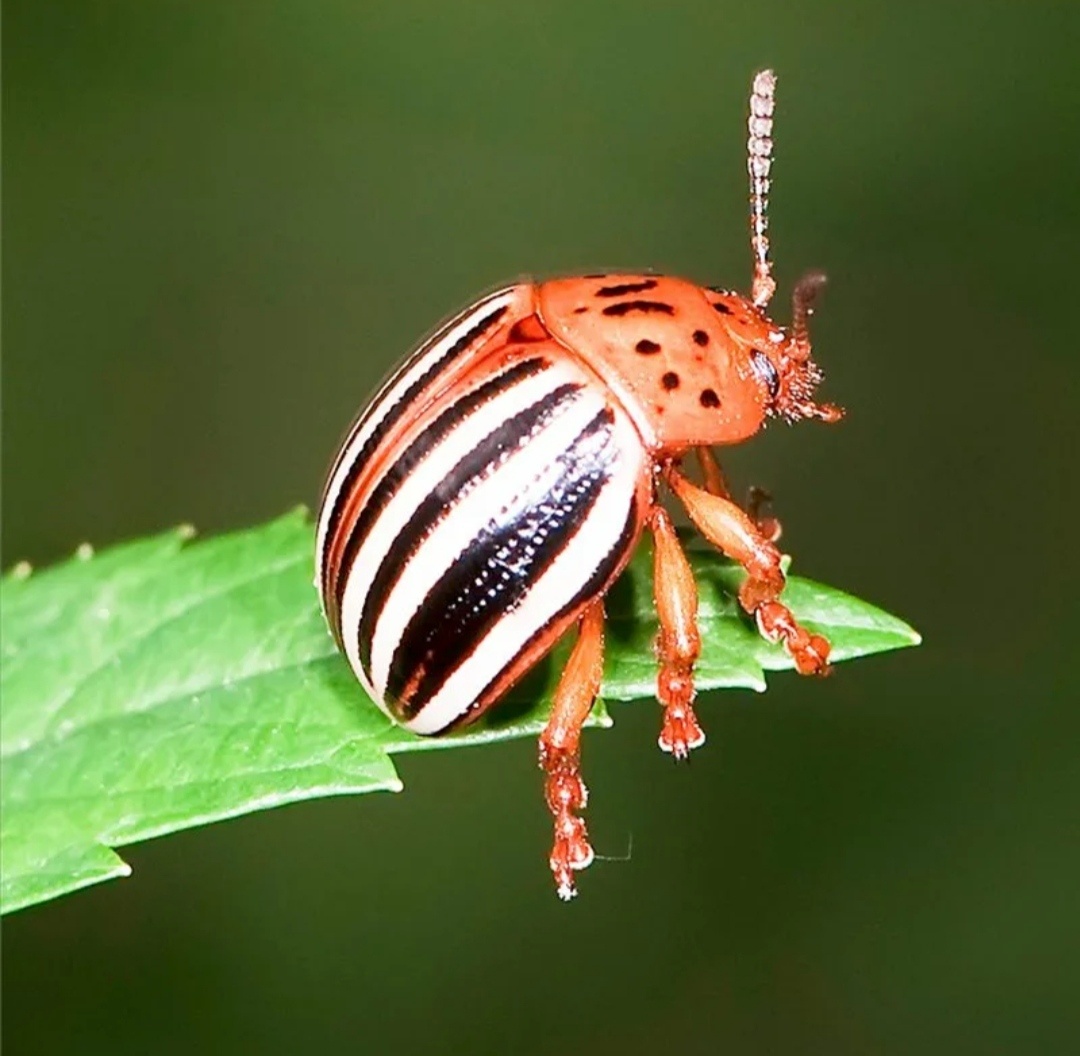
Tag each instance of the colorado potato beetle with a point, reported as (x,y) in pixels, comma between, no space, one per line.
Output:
(489,495)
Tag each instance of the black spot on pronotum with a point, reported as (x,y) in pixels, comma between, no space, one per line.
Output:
(626,287)
(766,372)
(701,338)
(647,347)
(709,398)
(625,307)
(578,311)
(670,380)
(722,308)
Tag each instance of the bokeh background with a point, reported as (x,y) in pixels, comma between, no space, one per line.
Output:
(224,222)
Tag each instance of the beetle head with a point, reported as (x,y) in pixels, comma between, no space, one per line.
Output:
(784,365)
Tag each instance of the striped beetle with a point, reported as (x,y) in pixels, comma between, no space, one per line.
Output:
(498,483)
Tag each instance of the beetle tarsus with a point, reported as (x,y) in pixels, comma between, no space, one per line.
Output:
(566,794)
(679,643)
(681,731)
(809,651)
(560,755)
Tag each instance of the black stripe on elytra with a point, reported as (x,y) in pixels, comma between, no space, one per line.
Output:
(388,384)
(422,445)
(498,568)
(593,587)
(403,406)
(625,307)
(626,287)
(507,436)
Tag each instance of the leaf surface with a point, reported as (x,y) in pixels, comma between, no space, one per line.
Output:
(164,684)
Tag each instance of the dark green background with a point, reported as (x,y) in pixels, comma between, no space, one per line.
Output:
(223,222)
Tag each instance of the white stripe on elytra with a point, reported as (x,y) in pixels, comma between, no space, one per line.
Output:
(529,472)
(422,481)
(388,397)
(583,553)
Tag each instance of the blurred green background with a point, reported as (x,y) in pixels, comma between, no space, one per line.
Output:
(224,222)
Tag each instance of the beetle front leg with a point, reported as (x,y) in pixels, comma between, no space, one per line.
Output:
(756,500)
(711,474)
(560,750)
(736,534)
(679,643)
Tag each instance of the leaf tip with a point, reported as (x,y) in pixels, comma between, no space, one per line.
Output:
(901,629)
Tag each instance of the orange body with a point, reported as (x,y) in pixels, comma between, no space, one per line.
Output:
(678,355)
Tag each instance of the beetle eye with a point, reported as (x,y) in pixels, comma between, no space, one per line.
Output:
(766,372)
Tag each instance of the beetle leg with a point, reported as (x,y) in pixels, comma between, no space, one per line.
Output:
(560,745)
(712,475)
(734,532)
(679,644)
(756,499)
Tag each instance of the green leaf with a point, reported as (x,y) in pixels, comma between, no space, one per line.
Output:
(161,685)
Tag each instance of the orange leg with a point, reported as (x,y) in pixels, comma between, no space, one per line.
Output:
(713,476)
(756,499)
(560,750)
(734,532)
(679,644)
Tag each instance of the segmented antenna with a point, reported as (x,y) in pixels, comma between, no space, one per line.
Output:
(802,307)
(758,163)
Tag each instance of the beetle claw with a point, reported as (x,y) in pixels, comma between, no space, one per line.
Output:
(566,794)
(681,731)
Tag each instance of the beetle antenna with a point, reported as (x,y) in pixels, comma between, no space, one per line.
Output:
(802,307)
(758,163)
(801,373)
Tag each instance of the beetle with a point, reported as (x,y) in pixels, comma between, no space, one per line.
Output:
(489,495)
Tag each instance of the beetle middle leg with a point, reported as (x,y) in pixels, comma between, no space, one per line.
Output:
(736,534)
(679,644)
(560,750)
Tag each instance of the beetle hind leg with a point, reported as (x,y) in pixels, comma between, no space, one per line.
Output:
(560,751)
(679,643)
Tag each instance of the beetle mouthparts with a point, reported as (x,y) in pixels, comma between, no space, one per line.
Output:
(800,376)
